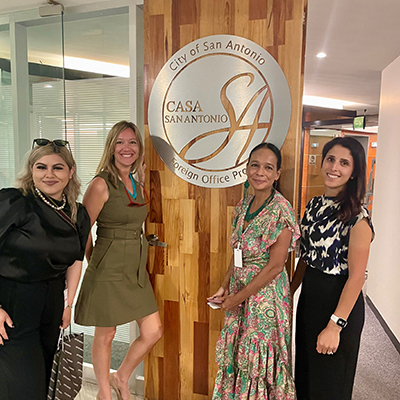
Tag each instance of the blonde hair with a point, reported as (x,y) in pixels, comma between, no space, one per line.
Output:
(25,179)
(107,162)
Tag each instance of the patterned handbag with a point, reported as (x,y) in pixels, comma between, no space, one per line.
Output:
(66,374)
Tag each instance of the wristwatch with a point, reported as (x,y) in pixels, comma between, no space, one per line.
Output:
(339,321)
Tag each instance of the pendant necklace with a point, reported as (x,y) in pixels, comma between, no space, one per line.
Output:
(249,216)
(49,203)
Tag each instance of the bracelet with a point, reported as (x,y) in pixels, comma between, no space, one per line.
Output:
(69,306)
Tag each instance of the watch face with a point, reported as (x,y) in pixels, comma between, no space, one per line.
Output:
(341,322)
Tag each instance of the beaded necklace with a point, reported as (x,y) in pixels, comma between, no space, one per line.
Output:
(249,216)
(49,203)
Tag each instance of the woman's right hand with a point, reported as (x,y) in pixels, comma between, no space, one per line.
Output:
(219,296)
(4,319)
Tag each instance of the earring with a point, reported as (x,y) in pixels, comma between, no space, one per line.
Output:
(246,188)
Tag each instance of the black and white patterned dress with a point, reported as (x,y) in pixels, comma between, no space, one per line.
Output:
(324,248)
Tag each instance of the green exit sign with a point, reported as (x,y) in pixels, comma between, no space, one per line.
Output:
(359,122)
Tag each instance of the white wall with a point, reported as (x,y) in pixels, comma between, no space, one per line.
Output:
(384,263)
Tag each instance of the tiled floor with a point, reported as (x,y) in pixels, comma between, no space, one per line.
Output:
(89,392)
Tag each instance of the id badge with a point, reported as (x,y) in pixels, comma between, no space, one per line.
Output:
(237,257)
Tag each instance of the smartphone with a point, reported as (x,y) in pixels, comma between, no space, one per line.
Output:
(214,306)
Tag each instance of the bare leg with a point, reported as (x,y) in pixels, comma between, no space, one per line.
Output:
(150,333)
(101,359)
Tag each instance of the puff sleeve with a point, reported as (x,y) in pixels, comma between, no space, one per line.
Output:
(83,227)
(13,209)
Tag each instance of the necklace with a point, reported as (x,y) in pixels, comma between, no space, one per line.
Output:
(249,216)
(49,203)
(134,194)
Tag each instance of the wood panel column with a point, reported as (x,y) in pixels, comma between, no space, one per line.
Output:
(195,221)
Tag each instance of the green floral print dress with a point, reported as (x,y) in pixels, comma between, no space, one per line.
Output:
(254,349)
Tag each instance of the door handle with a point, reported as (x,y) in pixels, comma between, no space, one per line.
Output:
(153,241)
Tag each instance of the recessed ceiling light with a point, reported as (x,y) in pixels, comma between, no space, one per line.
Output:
(321,55)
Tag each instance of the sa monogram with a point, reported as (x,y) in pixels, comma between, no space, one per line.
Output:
(211,103)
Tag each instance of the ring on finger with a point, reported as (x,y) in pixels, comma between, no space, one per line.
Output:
(330,353)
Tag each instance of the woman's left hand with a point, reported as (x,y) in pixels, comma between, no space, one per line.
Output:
(66,318)
(142,171)
(329,339)
(231,302)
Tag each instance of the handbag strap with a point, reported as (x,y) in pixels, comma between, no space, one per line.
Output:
(60,342)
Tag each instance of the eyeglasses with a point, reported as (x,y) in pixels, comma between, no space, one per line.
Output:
(134,203)
(45,142)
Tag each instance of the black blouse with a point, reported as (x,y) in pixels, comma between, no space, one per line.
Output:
(36,243)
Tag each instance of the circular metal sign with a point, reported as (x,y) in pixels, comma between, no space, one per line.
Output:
(212,102)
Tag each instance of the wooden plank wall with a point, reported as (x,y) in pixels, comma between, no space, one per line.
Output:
(195,221)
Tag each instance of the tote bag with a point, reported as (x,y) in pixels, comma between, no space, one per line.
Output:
(66,374)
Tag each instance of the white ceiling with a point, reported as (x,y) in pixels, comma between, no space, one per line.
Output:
(360,38)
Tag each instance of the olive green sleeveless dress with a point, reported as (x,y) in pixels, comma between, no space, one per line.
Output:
(116,288)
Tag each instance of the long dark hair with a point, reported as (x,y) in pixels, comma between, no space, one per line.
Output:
(351,197)
(275,150)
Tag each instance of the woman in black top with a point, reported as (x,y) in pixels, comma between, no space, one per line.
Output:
(43,233)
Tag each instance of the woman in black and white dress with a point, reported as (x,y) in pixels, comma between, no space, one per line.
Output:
(336,236)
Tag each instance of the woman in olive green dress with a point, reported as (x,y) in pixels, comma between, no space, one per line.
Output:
(116,287)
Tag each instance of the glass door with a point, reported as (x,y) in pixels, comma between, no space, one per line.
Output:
(31,55)
(7,168)
(97,96)
(68,76)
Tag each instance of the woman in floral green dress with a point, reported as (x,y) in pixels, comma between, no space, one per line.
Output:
(253,351)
